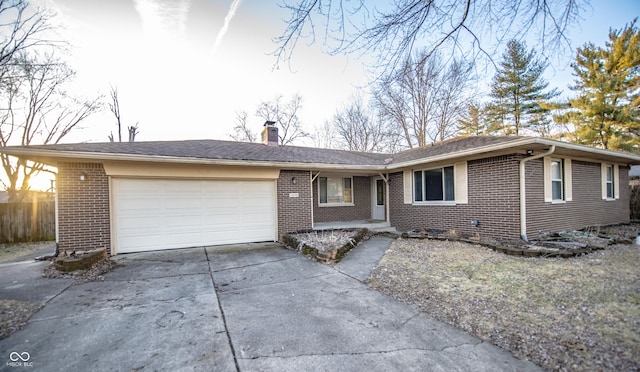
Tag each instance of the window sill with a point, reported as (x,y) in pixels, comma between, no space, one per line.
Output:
(558,201)
(434,203)
(336,205)
(610,199)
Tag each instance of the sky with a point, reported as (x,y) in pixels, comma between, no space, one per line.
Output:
(183,68)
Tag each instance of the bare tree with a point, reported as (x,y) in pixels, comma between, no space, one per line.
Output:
(23,28)
(324,135)
(35,109)
(241,131)
(392,33)
(133,132)
(359,129)
(114,107)
(424,99)
(285,113)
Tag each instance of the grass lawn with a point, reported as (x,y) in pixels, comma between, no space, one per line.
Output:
(580,313)
(13,251)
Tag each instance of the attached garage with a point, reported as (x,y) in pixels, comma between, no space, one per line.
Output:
(155,214)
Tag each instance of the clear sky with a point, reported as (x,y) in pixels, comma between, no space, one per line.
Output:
(160,54)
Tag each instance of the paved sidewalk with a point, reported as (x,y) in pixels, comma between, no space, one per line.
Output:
(249,307)
(359,262)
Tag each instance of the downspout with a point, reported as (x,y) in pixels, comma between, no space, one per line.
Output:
(523,191)
(56,215)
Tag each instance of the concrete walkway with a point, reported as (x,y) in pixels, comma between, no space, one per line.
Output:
(253,307)
(359,262)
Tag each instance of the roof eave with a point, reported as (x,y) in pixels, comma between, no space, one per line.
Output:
(54,157)
(464,154)
(608,154)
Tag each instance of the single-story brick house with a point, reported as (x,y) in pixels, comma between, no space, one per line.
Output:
(130,197)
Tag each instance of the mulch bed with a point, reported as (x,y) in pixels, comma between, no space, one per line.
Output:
(328,246)
(559,244)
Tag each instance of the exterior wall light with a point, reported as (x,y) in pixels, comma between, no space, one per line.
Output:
(83,176)
(294,180)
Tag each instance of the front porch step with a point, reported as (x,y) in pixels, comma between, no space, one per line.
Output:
(377,226)
(389,229)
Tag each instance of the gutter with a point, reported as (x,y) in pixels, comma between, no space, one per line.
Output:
(464,153)
(56,156)
(523,191)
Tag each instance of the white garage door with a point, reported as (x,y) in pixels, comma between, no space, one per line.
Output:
(166,214)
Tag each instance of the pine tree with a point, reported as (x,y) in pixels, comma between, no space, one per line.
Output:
(607,110)
(518,90)
(473,123)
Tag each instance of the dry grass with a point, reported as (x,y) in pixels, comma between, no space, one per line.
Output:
(328,240)
(13,251)
(580,313)
(15,314)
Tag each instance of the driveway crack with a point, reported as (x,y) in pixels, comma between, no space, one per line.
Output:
(224,319)
(249,265)
(272,283)
(381,352)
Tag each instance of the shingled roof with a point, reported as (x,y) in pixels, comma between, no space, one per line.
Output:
(230,152)
(216,150)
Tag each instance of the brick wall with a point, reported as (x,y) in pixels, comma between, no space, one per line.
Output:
(361,210)
(83,207)
(493,193)
(294,213)
(587,207)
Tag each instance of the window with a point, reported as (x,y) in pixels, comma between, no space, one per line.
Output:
(558,180)
(434,185)
(335,190)
(609,182)
(557,190)
(610,179)
(379,192)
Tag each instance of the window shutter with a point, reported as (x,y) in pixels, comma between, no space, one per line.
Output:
(616,181)
(603,180)
(568,181)
(460,182)
(548,196)
(407,176)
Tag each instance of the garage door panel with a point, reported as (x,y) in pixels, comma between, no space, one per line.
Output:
(166,214)
(222,204)
(180,187)
(131,224)
(138,201)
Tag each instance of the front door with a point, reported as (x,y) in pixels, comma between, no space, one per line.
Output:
(378,199)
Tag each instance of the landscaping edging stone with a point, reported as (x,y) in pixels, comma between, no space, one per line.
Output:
(82,261)
(331,256)
(511,248)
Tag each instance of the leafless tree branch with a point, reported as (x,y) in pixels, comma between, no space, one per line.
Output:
(394,33)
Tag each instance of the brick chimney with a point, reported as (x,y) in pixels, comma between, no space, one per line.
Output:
(270,133)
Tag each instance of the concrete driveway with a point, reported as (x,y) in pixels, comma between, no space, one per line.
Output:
(253,307)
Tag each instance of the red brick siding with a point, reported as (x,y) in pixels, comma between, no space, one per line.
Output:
(361,210)
(493,195)
(83,207)
(587,207)
(294,214)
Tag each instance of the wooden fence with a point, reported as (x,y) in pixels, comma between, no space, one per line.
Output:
(27,222)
